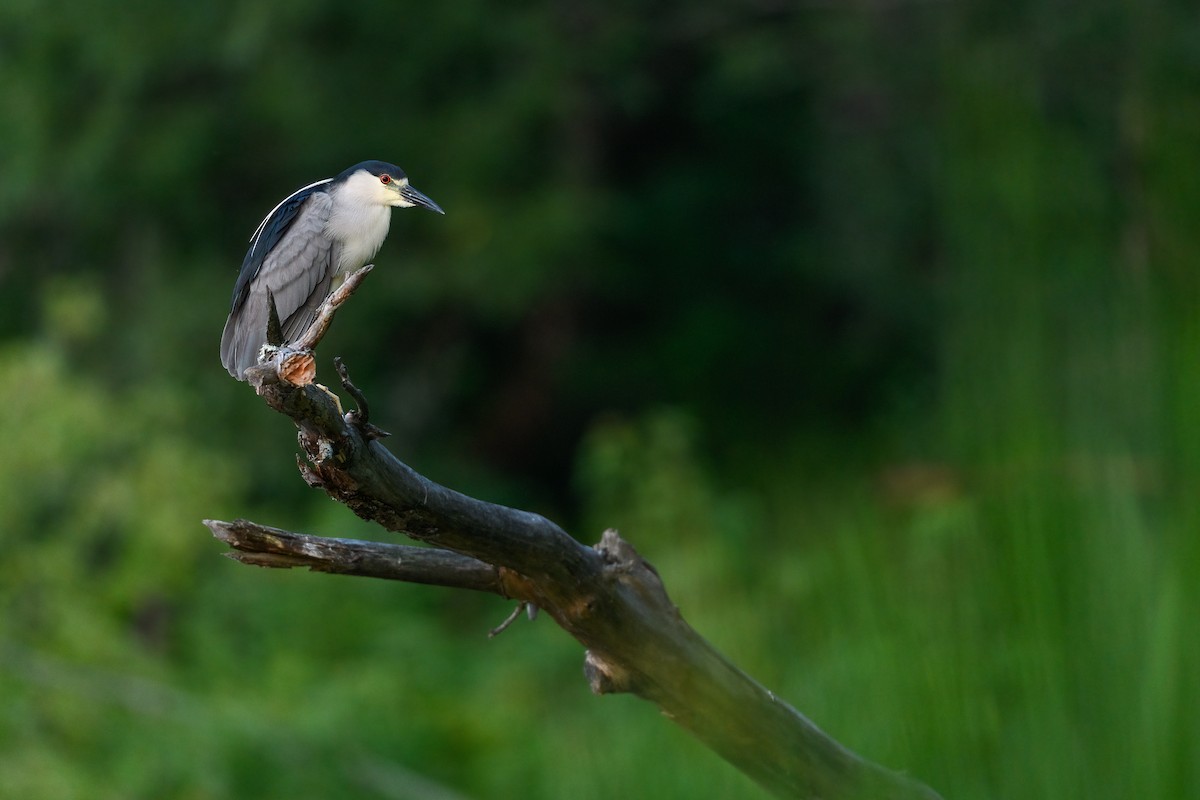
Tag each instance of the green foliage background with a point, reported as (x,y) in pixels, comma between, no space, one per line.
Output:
(873,325)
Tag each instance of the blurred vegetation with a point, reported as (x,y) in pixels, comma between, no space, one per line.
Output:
(874,326)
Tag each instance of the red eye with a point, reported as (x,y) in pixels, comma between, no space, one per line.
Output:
(385,179)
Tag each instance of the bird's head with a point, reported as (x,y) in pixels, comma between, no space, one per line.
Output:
(381,183)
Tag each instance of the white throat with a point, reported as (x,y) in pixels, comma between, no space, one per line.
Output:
(359,220)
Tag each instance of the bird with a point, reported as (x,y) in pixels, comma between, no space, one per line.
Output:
(305,248)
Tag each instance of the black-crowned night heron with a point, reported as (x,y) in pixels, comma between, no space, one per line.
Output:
(305,248)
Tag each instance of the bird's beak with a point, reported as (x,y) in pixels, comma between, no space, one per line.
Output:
(417,199)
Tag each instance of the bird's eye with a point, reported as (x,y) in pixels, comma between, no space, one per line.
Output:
(385,179)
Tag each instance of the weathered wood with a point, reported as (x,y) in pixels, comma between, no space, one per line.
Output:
(265,546)
(607,597)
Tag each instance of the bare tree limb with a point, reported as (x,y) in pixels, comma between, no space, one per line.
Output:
(607,597)
(316,331)
(294,361)
(264,546)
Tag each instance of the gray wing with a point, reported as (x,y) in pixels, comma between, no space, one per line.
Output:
(297,271)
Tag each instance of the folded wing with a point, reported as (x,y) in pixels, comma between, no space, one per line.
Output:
(291,257)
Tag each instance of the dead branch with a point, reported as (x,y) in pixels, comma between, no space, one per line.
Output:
(316,331)
(607,597)
(264,546)
(294,362)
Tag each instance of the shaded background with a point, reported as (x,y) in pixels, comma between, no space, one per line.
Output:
(873,325)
